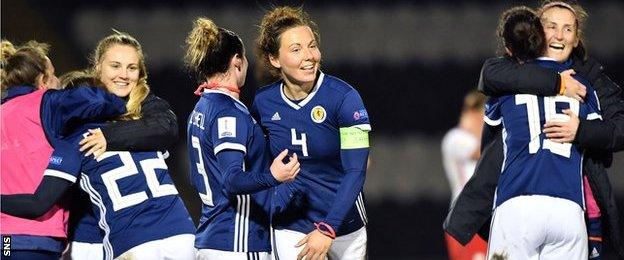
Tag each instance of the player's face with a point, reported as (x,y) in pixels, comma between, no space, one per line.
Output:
(560,31)
(299,56)
(119,69)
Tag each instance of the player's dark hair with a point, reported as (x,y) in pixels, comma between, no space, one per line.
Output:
(520,31)
(273,24)
(209,49)
(22,65)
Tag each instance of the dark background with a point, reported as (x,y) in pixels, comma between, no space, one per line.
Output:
(412,62)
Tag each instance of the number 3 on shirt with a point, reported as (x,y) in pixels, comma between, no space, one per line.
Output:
(550,113)
(303,141)
(206,198)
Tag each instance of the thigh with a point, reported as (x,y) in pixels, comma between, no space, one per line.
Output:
(567,235)
(34,255)
(79,250)
(474,250)
(349,247)
(212,254)
(515,231)
(179,247)
(284,242)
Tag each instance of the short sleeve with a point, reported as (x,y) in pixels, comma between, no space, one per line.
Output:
(230,130)
(594,110)
(493,116)
(353,113)
(66,160)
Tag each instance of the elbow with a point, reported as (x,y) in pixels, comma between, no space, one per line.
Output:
(169,132)
(173,134)
(34,214)
(230,188)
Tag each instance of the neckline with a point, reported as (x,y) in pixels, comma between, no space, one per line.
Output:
(303,102)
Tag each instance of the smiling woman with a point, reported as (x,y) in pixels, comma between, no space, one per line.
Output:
(119,70)
(119,63)
(323,120)
(560,30)
(149,125)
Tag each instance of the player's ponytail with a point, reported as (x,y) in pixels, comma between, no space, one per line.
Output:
(6,51)
(210,48)
(521,33)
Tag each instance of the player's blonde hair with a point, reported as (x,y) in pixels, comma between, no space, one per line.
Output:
(474,100)
(140,91)
(209,49)
(273,24)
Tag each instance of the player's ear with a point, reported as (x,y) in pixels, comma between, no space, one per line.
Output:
(236,62)
(274,61)
(40,81)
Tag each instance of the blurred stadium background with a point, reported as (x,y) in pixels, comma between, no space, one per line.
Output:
(412,62)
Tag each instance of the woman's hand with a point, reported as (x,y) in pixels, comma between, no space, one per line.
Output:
(560,131)
(285,171)
(94,143)
(316,246)
(573,88)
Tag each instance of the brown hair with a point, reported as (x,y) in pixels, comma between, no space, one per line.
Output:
(581,17)
(209,49)
(22,65)
(273,24)
(7,50)
(79,78)
(474,100)
(138,93)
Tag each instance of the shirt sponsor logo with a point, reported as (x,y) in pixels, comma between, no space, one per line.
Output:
(318,114)
(56,160)
(227,127)
(360,114)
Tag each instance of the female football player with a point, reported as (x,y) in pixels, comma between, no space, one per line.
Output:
(322,120)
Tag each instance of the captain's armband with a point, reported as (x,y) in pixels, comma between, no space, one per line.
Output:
(353,138)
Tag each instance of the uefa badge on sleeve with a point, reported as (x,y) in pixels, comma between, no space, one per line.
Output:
(318,114)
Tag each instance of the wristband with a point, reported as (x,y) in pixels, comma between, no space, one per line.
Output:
(325,229)
(562,86)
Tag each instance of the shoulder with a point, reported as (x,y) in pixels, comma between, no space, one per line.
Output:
(154,101)
(337,85)
(456,135)
(457,139)
(268,90)
(225,105)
